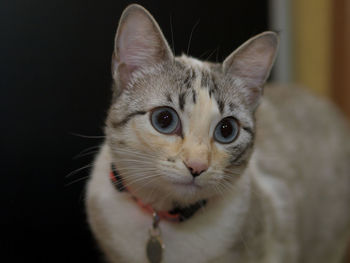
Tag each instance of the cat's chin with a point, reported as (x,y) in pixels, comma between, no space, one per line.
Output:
(187,189)
(190,185)
(187,193)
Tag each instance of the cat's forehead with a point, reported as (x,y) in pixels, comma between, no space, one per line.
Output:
(207,80)
(194,63)
(186,84)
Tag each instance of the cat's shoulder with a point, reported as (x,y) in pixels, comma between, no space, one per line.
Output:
(291,102)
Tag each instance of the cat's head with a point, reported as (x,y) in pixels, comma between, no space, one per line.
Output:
(177,126)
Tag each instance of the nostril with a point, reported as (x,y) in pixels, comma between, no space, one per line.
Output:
(195,174)
(196,167)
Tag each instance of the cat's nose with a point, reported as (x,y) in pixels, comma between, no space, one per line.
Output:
(196,167)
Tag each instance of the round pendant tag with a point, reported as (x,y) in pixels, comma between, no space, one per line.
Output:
(154,249)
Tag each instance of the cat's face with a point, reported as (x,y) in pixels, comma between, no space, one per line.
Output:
(178,126)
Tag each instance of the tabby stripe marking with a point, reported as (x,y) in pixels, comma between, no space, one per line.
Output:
(182,100)
(127,118)
(191,75)
(249,130)
(239,156)
(194,96)
(221,106)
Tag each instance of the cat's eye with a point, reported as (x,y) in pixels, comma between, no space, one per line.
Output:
(226,131)
(165,120)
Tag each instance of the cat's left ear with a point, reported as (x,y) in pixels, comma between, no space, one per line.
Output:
(139,43)
(251,64)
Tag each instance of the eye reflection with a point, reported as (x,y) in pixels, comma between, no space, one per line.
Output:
(226,130)
(165,120)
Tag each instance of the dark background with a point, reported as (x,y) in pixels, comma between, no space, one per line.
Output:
(55,81)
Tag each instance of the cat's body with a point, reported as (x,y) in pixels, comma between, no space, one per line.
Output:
(287,197)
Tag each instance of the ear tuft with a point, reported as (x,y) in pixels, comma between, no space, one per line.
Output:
(251,63)
(139,43)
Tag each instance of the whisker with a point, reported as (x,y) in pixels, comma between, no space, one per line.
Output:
(204,53)
(137,167)
(78,170)
(138,176)
(221,189)
(77,180)
(151,192)
(134,153)
(172,34)
(151,179)
(189,42)
(84,154)
(135,157)
(136,163)
(208,57)
(226,187)
(141,177)
(86,136)
(86,150)
(216,188)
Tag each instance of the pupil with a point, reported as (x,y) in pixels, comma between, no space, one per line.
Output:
(164,119)
(226,129)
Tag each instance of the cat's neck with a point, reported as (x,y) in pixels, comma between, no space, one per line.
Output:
(159,200)
(154,199)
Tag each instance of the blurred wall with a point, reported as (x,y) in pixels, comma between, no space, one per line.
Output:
(340,80)
(312,24)
(315,46)
(321,49)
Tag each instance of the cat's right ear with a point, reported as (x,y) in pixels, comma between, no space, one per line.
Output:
(139,43)
(251,63)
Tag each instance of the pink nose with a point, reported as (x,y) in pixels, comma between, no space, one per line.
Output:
(196,167)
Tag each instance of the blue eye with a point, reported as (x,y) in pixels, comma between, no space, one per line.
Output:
(165,120)
(226,131)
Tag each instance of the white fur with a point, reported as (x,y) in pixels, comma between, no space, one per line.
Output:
(190,241)
(277,193)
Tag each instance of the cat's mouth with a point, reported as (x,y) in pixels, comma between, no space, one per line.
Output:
(190,185)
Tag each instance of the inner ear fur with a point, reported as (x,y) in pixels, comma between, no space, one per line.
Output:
(139,43)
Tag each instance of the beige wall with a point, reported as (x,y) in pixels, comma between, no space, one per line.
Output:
(311,34)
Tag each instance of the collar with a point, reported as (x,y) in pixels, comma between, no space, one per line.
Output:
(177,214)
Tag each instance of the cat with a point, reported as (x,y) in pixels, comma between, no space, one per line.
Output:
(198,166)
